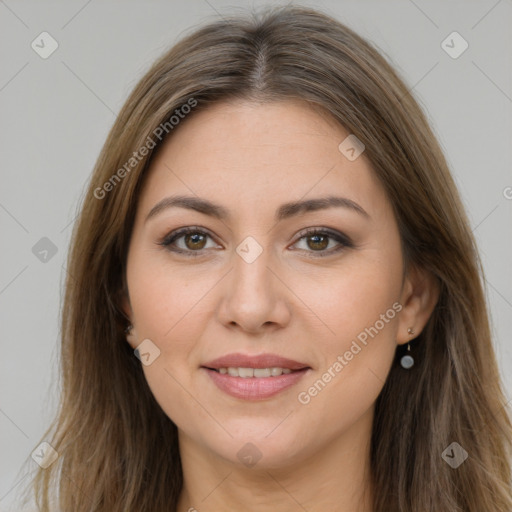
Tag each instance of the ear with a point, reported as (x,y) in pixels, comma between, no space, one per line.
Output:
(419,297)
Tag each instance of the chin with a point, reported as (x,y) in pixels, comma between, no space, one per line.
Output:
(260,447)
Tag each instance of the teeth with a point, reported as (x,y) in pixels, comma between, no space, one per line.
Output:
(262,372)
(254,372)
(245,372)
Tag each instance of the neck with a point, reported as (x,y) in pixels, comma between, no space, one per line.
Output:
(334,478)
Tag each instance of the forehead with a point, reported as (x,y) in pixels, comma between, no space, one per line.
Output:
(249,156)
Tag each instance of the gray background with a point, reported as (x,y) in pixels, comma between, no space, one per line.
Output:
(56,112)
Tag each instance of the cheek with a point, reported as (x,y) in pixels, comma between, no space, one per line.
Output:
(358,308)
(166,306)
(165,298)
(347,300)
(346,388)
(168,310)
(171,308)
(174,395)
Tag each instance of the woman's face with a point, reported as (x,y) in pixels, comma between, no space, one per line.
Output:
(317,315)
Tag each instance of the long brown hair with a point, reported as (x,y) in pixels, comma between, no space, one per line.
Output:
(117,449)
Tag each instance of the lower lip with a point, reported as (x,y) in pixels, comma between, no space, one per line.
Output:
(254,388)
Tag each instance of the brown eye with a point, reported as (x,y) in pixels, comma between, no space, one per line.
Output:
(190,241)
(195,241)
(318,242)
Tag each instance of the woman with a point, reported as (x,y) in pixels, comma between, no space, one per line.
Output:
(274,297)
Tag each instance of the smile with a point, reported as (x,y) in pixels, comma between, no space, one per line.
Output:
(254,377)
(257,373)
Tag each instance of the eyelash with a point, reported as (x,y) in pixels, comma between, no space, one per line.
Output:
(342,239)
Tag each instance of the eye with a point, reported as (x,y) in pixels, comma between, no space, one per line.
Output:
(194,241)
(318,240)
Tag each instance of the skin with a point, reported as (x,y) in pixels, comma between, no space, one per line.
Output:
(251,158)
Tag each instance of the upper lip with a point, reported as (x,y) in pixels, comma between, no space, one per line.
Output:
(238,360)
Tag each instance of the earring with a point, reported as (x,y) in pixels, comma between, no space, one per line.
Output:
(128,329)
(407,361)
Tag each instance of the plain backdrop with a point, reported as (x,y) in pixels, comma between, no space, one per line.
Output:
(56,113)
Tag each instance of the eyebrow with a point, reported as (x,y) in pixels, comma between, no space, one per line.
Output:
(285,211)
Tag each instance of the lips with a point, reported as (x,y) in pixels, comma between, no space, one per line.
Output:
(254,377)
(260,361)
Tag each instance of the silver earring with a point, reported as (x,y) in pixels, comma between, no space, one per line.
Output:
(128,329)
(407,361)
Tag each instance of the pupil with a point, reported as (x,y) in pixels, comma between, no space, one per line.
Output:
(194,237)
(323,245)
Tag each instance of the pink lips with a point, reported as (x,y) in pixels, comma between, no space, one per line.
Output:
(254,388)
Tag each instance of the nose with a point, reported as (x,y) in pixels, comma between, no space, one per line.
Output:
(254,295)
